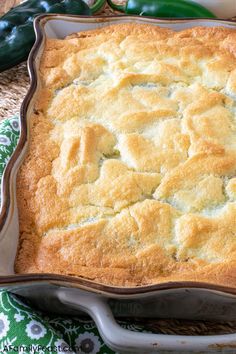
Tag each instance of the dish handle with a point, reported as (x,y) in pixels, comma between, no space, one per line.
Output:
(126,341)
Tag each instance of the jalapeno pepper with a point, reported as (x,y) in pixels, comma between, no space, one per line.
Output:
(163,8)
(16,26)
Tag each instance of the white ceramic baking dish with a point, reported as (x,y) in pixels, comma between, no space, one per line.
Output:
(64,294)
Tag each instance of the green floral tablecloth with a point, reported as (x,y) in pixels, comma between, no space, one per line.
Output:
(24,330)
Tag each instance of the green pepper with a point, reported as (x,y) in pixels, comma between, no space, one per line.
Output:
(16,26)
(163,8)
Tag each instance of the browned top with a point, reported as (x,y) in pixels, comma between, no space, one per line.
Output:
(129,177)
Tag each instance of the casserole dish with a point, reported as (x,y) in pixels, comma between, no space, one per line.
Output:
(66,294)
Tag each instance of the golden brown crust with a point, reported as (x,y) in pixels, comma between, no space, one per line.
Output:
(129,176)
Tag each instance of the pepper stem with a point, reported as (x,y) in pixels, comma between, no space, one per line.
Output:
(115,6)
(97,6)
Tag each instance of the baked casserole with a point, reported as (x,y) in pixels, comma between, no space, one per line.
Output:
(129,177)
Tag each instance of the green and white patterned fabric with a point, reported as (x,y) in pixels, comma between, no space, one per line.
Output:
(24,330)
(9,134)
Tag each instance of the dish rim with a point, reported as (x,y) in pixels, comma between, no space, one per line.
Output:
(79,282)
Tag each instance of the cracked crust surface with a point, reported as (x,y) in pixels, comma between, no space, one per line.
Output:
(129,176)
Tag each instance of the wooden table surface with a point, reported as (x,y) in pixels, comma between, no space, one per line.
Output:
(5,5)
